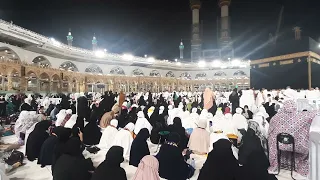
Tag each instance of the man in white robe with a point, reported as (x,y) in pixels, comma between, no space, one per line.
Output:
(141,123)
(124,139)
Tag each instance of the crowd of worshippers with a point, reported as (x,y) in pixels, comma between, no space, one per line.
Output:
(238,143)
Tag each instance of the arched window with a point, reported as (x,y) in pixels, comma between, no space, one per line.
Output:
(185,75)
(94,69)
(117,70)
(170,74)
(8,54)
(41,61)
(137,72)
(68,66)
(201,76)
(220,73)
(239,73)
(155,73)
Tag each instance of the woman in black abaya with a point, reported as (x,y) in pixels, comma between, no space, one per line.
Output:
(110,167)
(91,132)
(177,127)
(72,165)
(220,164)
(47,149)
(36,139)
(139,147)
(254,161)
(171,162)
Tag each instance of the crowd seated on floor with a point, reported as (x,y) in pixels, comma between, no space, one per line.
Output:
(176,136)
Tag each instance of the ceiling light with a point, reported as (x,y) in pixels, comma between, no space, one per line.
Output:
(216,63)
(127,57)
(151,59)
(201,63)
(236,62)
(176,60)
(99,54)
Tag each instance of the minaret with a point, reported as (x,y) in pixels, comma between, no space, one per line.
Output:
(69,38)
(297,33)
(181,47)
(195,39)
(94,43)
(225,38)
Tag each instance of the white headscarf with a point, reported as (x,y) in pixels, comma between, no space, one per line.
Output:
(141,123)
(60,117)
(71,122)
(124,139)
(150,111)
(239,121)
(161,109)
(108,135)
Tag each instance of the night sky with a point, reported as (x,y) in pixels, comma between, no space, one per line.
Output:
(156,27)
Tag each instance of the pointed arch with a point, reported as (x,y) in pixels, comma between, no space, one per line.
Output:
(41,61)
(170,74)
(185,75)
(155,73)
(220,73)
(44,76)
(7,53)
(94,69)
(137,72)
(239,73)
(68,66)
(201,76)
(117,70)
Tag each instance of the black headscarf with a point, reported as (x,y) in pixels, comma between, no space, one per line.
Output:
(139,147)
(132,117)
(36,139)
(252,157)
(72,165)
(91,132)
(47,149)
(63,136)
(177,127)
(220,164)
(110,167)
(171,162)
(123,118)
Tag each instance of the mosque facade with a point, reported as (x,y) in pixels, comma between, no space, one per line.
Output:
(32,62)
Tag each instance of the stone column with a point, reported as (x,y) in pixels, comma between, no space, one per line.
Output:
(77,87)
(70,87)
(10,83)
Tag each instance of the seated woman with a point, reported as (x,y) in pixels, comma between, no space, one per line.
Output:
(253,159)
(290,120)
(108,135)
(139,147)
(148,169)
(110,167)
(171,162)
(47,149)
(91,132)
(200,139)
(177,127)
(124,139)
(71,165)
(221,163)
(36,139)
(247,113)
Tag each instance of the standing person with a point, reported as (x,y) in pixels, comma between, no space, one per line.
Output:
(234,98)
(3,104)
(83,110)
(290,120)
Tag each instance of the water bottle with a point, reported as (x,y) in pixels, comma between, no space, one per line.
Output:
(193,163)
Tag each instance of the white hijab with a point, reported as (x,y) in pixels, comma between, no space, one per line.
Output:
(239,121)
(218,121)
(124,139)
(108,135)
(71,122)
(60,117)
(141,123)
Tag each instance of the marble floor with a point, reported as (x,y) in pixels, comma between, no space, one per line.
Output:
(32,171)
